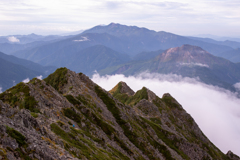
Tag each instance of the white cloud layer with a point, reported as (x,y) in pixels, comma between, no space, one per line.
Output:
(0,89)
(194,64)
(26,80)
(13,39)
(39,77)
(237,86)
(216,110)
(81,40)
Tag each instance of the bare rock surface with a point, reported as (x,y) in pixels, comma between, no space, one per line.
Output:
(67,117)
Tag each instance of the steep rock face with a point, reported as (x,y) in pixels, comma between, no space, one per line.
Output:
(67,116)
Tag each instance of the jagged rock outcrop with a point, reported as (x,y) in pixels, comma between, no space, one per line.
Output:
(233,156)
(67,116)
(123,88)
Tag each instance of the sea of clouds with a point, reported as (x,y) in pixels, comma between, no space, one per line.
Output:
(216,110)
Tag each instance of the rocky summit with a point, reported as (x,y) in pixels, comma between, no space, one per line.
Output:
(67,116)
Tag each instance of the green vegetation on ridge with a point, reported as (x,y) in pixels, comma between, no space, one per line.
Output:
(125,98)
(57,79)
(15,97)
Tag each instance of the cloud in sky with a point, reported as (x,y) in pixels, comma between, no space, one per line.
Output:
(215,110)
(46,16)
(13,39)
(0,89)
(237,86)
(26,80)
(39,77)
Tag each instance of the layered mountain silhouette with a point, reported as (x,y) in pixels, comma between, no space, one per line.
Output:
(24,39)
(14,70)
(13,43)
(130,40)
(117,48)
(67,116)
(232,44)
(233,55)
(87,60)
(188,61)
(143,39)
(143,56)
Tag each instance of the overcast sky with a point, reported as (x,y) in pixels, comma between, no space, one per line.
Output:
(185,17)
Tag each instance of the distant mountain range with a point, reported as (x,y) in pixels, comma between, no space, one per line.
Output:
(24,39)
(232,44)
(143,39)
(188,61)
(219,38)
(129,40)
(87,60)
(14,70)
(112,46)
(232,55)
(14,43)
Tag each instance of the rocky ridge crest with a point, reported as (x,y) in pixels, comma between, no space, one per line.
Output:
(67,116)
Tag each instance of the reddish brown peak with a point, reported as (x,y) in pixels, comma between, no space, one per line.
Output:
(187,48)
(186,53)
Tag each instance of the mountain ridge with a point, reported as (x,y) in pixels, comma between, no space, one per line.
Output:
(187,61)
(14,70)
(147,39)
(124,39)
(13,73)
(67,116)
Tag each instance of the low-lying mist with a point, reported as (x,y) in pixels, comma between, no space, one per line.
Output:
(216,110)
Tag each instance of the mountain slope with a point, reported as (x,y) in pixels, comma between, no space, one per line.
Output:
(10,48)
(232,55)
(232,44)
(142,39)
(14,70)
(188,61)
(129,40)
(46,70)
(87,60)
(12,73)
(67,116)
(14,43)
(71,45)
(143,56)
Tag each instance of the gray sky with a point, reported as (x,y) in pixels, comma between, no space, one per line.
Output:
(185,17)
